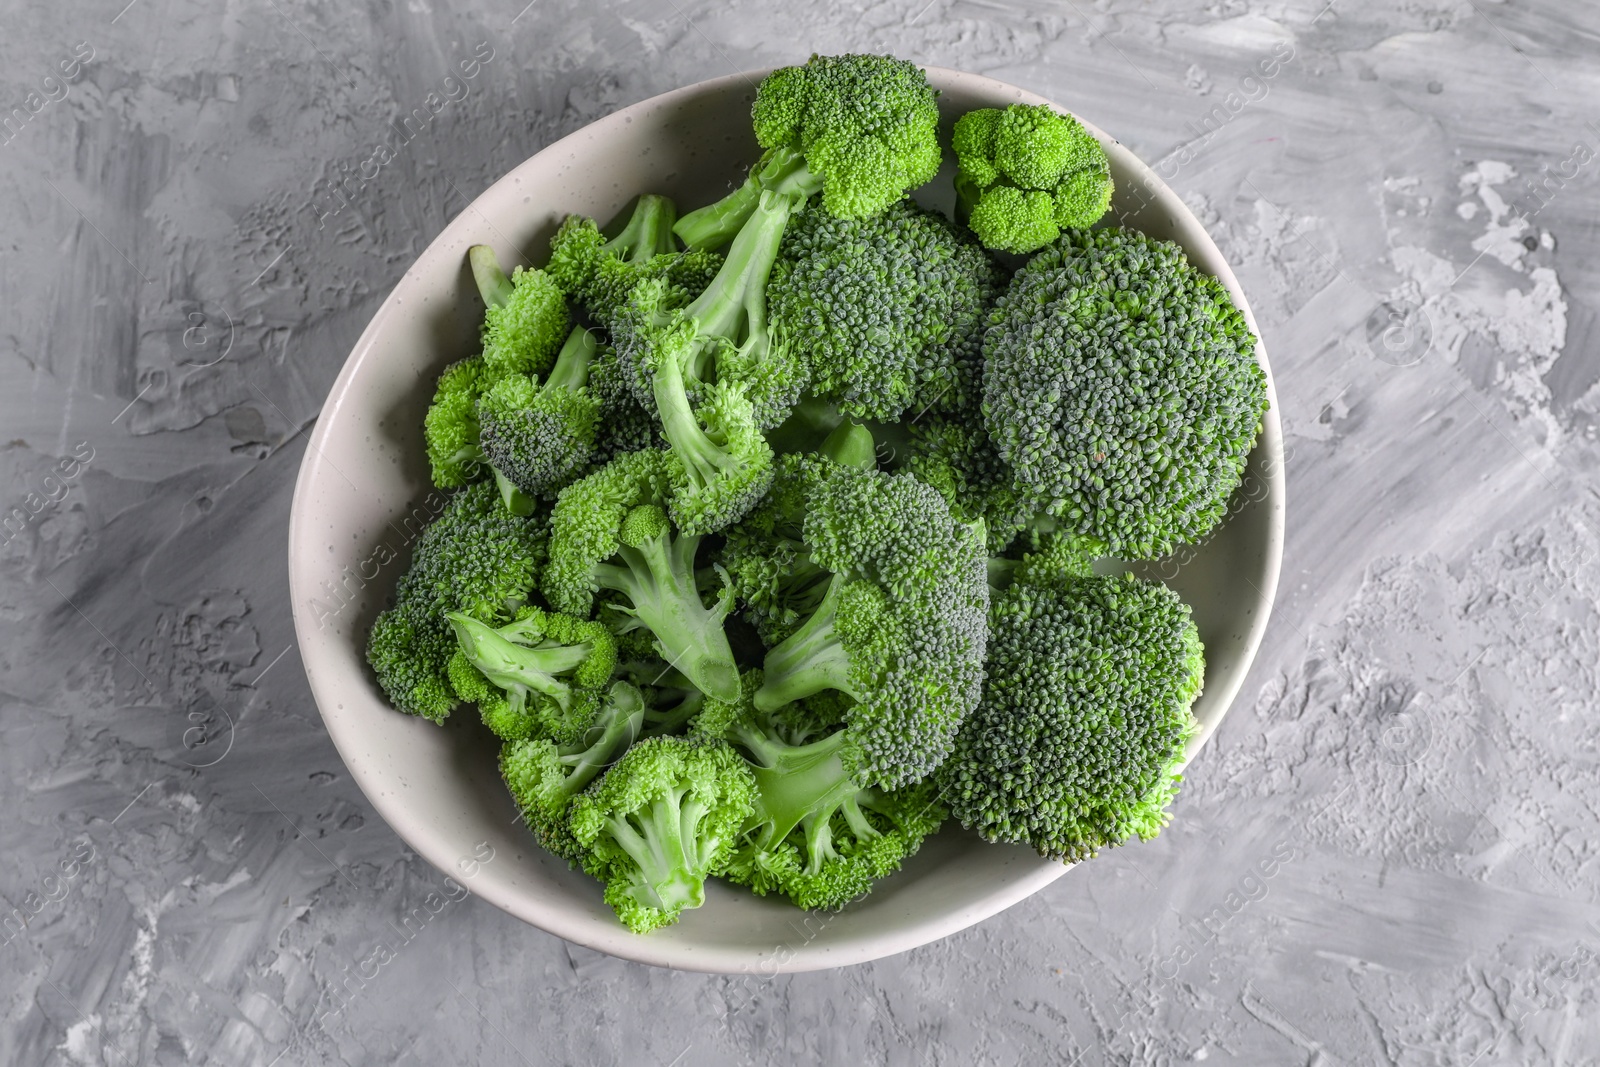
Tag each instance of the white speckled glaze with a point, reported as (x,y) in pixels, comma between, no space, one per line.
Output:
(364,484)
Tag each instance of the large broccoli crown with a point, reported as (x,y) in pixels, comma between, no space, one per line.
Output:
(662,820)
(1027,173)
(1077,741)
(866,125)
(450,429)
(476,557)
(884,304)
(901,626)
(1121,385)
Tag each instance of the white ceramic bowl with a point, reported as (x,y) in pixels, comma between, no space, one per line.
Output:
(363,493)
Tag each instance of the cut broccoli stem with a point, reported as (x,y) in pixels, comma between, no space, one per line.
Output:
(516,501)
(852,445)
(664,845)
(811,660)
(572,364)
(493,285)
(795,782)
(734,304)
(648,232)
(657,576)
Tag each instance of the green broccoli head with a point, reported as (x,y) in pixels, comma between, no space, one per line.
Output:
(525,318)
(660,822)
(1121,386)
(816,834)
(900,625)
(450,429)
(409,650)
(476,557)
(865,126)
(1077,742)
(884,304)
(600,273)
(1027,173)
(541,436)
(609,532)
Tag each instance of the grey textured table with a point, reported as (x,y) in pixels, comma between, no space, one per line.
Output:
(1387,856)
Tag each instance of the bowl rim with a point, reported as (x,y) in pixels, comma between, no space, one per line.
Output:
(618,941)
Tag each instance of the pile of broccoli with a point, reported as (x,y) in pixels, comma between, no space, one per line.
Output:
(783,531)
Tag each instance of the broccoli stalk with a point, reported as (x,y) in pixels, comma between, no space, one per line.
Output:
(661,821)
(549,666)
(816,657)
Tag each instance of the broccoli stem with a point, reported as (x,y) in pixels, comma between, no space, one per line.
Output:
(810,660)
(658,579)
(624,725)
(517,668)
(795,782)
(493,285)
(572,364)
(662,841)
(704,460)
(516,501)
(735,302)
(648,232)
(852,445)
(782,170)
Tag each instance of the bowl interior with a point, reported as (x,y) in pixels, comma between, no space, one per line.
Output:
(363,496)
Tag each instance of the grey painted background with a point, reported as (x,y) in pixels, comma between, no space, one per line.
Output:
(1387,856)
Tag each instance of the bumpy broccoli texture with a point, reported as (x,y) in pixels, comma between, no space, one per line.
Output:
(1077,742)
(1026,174)
(1121,386)
(662,820)
(884,305)
(541,435)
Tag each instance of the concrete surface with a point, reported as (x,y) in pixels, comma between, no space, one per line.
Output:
(1387,856)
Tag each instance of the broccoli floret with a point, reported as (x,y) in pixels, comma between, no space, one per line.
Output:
(899,626)
(1077,742)
(1121,386)
(450,428)
(525,318)
(885,305)
(549,667)
(545,773)
(660,822)
(609,532)
(476,558)
(409,650)
(817,834)
(1027,173)
(624,424)
(541,436)
(600,273)
(861,129)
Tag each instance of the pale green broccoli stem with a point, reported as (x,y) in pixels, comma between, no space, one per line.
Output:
(572,364)
(851,445)
(794,782)
(626,723)
(658,579)
(782,171)
(493,285)
(810,661)
(703,459)
(648,232)
(735,302)
(517,669)
(663,845)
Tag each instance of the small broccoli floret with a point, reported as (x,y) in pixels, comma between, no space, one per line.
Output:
(409,650)
(624,424)
(1121,386)
(451,426)
(899,627)
(609,532)
(541,436)
(545,773)
(660,822)
(550,667)
(817,834)
(1026,174)
(861,129)
(1077,742)
(885,305)
(525,318)
(600,273)
(477,558)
